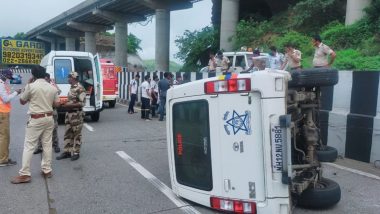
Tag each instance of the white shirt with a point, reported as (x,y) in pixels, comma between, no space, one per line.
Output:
(145,87)
(276,61)
(4,95)
(133,86)
(154,86)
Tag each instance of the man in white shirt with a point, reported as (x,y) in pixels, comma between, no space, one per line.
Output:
(145,98)
(154,94)
(133,93)
(321,53)
(276,59)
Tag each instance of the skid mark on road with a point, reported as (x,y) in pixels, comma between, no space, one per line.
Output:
(182,205)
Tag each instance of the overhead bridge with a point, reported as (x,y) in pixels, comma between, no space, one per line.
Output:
(93,16)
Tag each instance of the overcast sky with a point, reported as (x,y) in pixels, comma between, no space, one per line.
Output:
(24,15)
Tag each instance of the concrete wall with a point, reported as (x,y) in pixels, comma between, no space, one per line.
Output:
(351,115)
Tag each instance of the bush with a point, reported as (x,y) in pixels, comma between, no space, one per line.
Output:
(339,36)
(351,59)
(300,41)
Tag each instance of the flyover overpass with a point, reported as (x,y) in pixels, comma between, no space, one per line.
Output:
(93,16)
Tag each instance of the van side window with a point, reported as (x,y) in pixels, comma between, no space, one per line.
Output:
(240,62)
(62,68)
(191,134)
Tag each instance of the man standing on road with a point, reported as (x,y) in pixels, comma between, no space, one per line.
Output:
(154,94)
(321,53)
(163,86)
(5,108)
(145,98)
(41,97)
(133,93)
(73,119)
(292,58)
(55,117)
(275,58)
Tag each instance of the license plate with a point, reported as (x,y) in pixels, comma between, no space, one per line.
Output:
(277,138)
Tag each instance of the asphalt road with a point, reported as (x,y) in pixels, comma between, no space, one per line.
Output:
(103,182)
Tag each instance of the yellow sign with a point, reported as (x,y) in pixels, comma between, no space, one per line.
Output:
(21,52)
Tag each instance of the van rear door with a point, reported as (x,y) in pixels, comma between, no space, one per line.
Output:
(62,68)
(240,138)
(98,83)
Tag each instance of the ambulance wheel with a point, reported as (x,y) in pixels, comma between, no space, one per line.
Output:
(326,193)
(61,118)
(327,154)
(314,77)
(112,104)
(95,116)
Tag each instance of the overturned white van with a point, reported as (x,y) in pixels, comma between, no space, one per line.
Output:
(250,143)
(60,63)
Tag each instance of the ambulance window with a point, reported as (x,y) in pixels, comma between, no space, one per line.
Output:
(62,68)
(192,151)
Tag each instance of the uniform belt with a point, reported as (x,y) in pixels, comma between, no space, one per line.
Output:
(74,110)
(36,116)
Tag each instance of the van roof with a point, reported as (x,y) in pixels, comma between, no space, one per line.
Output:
(70,53)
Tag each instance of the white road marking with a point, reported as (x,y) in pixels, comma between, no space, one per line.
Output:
(88,127)
(369,175)
(158,184)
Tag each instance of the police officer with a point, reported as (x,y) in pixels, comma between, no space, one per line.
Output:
(73,119)
(5,108)
(41,97)
(55,117)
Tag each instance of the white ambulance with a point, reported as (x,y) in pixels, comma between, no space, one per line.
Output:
(60,63)
(249,143)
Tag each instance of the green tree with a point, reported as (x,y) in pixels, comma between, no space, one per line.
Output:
(20,36)
(133,44)
(195,46)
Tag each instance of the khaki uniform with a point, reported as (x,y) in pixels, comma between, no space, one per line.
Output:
(41,96)
(321,55)
(5,108)
(74,120)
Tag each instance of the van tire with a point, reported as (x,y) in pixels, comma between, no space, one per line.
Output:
(314,77)
(95,116)
(326,194)
(112,103)
(327,154)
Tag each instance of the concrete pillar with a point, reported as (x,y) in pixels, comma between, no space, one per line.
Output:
(52,45)
(121,33)
(229,20)
(90,42)
(354,10)
(70,43)
(162,39)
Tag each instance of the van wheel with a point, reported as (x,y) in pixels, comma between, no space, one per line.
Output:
(61,119)
(327,154)
(314,77)
(112,104)
(95,116)
(326,193)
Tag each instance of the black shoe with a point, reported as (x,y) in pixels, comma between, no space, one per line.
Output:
(57,149)
(8,163)
(75,157)
(37,151)
(63,155)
